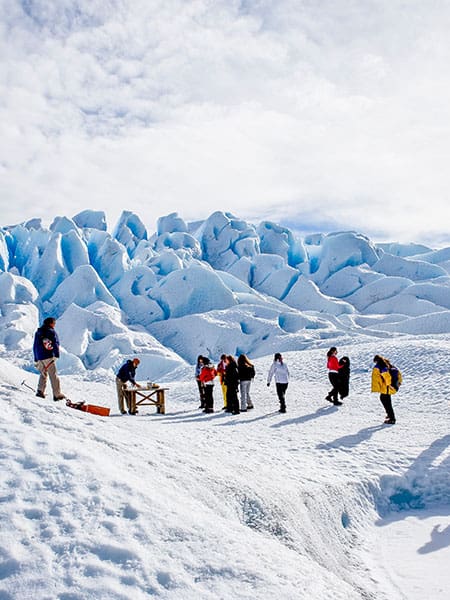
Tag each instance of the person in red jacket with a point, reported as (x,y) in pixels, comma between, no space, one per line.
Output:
(207,376)
(333,367)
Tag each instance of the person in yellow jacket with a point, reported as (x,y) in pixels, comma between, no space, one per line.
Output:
(384,384)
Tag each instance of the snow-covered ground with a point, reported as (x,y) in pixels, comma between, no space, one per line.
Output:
(318,503)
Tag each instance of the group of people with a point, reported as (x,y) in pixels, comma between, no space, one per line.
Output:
(235,377)
(386,379)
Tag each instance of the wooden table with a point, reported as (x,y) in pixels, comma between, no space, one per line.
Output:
(145,396)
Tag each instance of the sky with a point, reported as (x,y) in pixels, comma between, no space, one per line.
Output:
(321,116)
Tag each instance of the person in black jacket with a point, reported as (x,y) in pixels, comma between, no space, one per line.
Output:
(246,372)
(46,353)
(232,383)
(127,372)
(344,377)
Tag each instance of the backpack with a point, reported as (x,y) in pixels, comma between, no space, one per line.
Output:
(396,377)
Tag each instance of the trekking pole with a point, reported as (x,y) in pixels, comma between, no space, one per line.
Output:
(26,385)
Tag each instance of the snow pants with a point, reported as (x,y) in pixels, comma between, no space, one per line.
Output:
(386,401)
(244,387)
(47,367)
(281,393)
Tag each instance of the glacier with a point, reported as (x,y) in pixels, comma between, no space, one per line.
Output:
(213,286)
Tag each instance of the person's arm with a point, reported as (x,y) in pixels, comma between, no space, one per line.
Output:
(55,344)
(270,374)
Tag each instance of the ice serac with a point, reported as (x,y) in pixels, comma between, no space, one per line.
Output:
(63,225)
(225,239)
(275,239)
(83,287)
(171,224)
(416,270)
(129,231)
(272,276)
(47,270)
(305,295)
(132,292)
(97,335)
(92,219)
(339,250)
(19,315)
(4,253)
(108,257)
(196,289)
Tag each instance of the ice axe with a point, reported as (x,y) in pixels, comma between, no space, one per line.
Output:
(26,385)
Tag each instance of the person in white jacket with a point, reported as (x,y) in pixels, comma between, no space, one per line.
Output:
(280,372)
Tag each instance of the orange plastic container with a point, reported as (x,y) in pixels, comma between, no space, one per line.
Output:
(96,410)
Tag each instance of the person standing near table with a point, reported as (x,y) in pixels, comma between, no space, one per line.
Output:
(46,353)
(127,372)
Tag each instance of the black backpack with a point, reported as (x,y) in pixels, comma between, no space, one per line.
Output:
(395,380)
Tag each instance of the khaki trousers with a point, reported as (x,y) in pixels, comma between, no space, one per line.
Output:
(47,367)
(120,395)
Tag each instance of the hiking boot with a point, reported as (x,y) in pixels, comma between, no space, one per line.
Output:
(282,410)
(249,406)
(40,394)
(337,403)
(389,422)
(123,412)
(329,398)
(60,397)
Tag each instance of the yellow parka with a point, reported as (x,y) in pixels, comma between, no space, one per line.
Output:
(381,382)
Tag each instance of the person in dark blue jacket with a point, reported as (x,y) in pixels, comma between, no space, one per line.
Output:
(46,352)
(127,372)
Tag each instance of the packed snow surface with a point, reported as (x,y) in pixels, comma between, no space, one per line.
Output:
(321,502)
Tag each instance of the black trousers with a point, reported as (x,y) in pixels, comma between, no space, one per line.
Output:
(281,393)
(334,380)
(232,399)
(209,398)
(386,401)
(201,391)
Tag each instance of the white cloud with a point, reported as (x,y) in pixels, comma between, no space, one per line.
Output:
(285,110)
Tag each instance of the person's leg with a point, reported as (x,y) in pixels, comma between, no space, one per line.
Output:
(333,393)
(244,387)
(386,401)
(54,379)
(234,401)
(42,383)
(201,391)
(281,393)
(120,395)
(209,399)
(224,394)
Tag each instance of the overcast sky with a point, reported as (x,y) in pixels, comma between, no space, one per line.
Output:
(319,114)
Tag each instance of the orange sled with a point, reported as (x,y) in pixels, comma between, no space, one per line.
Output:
(90,408)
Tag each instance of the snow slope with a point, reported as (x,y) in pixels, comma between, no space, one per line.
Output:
(319,503)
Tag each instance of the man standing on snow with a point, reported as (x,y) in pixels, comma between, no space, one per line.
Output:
(46,352)
(127,372)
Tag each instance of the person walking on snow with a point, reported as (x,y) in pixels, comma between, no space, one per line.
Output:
(207,375)
(246,372)
(279,370)
(333,367)
(382,383)
(127,372)
(46,353)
